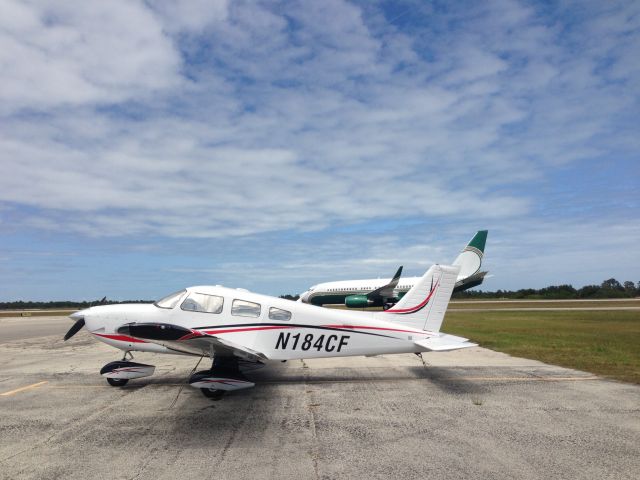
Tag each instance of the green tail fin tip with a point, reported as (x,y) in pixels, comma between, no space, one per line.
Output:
(479,240)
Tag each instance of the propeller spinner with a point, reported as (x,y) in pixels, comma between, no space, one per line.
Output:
(79,318)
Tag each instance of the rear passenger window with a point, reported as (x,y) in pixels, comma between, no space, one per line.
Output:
(199,302)
(279,314)
(242,308)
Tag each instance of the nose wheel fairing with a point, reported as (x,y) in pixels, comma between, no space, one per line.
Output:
(124,370)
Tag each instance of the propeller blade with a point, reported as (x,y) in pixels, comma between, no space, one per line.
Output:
(74,329)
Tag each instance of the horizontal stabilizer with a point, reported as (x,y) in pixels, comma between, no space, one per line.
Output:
(444,342)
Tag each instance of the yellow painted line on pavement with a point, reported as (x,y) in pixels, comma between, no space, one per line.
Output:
(21,389)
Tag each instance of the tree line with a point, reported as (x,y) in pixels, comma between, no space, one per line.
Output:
(61,305)
(610,288)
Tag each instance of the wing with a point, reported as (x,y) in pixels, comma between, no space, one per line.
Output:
(386,291)
(186,340)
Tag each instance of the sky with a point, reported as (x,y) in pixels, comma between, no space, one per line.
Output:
(146,146)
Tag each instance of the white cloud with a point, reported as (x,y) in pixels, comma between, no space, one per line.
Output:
(197,119)
(190,15)
(79,53)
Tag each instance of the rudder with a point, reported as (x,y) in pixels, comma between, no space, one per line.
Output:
(425,304)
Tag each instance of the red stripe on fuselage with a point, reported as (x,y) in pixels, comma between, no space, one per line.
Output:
(372,328)
(418,307)
(248,329)
(277,327)
(121,338)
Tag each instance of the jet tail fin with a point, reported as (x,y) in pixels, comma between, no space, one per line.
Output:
(425,304)
(470,259)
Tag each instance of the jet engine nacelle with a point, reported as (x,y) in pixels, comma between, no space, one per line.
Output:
(123,370)
(358,301)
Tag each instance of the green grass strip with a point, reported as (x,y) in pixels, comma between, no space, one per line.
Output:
(606,343)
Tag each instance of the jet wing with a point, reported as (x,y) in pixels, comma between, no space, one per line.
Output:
(386,291)
(443,342)
(186,340)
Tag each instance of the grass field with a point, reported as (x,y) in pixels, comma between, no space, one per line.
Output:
(506,304)
(606,343)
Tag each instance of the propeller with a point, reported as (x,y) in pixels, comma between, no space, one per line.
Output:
(74,329)
(79,318)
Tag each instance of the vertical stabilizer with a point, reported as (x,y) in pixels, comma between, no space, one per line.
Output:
(470,259)
(425,304)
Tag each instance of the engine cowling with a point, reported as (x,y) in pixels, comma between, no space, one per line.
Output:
(358,301)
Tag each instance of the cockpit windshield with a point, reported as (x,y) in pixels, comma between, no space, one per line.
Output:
(170,301)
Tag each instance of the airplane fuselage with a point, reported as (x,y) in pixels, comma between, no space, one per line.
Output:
(278,328)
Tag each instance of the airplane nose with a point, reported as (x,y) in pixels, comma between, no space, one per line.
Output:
(80,321)
(79,314)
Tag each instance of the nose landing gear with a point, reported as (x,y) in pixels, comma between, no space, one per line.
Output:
(119,373)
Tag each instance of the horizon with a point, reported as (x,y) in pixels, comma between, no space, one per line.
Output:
(472,290)
(272,146)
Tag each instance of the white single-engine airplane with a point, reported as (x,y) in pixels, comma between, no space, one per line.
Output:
(240,330)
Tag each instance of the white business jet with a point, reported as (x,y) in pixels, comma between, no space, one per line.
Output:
(240,330)
(377,292)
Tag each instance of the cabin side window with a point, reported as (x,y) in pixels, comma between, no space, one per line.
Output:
(279,314)
(200,302)
(243,308)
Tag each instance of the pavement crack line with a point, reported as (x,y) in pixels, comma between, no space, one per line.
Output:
(312,423)
(236,428)
(154,451)
(150,458)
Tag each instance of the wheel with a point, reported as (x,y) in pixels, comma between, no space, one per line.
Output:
(117,382)
(212,394)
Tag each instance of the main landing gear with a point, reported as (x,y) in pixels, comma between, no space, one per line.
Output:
(119,373)
(224,376)
(117,382)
